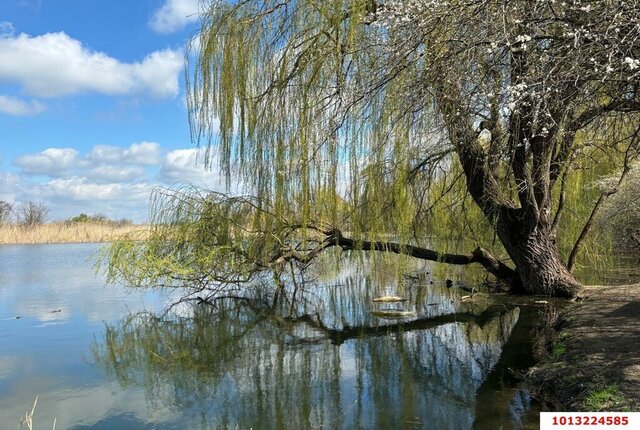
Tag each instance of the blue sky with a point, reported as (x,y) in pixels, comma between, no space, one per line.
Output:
(92,111)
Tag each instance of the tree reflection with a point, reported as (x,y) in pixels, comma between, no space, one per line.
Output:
(239,364)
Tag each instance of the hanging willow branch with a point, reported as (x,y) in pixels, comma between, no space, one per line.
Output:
(631,154)
(208,241)
(383,119)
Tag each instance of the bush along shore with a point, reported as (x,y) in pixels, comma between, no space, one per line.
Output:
(589,353)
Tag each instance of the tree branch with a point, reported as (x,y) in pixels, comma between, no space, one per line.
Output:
(589,224)
(590,115)
(561,200)
(334,237)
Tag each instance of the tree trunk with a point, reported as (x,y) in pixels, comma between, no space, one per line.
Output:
(536,258)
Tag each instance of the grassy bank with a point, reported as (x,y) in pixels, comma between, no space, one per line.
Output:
(65,232)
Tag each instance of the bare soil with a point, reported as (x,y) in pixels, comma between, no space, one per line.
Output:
(597,347)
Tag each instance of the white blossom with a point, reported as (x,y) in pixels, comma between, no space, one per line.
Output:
(632,63)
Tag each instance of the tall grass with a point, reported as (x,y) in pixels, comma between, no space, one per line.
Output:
(68,232)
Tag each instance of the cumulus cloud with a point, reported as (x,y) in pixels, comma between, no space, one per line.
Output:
(116,181)
(188,165)
(174,15)
(52,162)
(77,184)
(10,187)
(143,153)
(55,64)
(103,163)
(105,154)
(15,106)
(67,197)
(114,173)
(82,189)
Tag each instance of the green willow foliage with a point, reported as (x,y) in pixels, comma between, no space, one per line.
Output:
(325,99)
(196,240)
(620,217)
(279,82)
(365,117)
(601,154)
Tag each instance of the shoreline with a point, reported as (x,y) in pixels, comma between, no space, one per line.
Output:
(66,233)
(591,357)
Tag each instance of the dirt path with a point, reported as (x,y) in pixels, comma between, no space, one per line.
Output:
(594,362)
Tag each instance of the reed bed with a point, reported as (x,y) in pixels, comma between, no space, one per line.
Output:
(65,232)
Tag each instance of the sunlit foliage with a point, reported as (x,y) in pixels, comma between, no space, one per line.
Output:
(421,122)
(621,214)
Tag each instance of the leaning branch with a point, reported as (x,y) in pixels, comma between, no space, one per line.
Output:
(334,237)
(589,224)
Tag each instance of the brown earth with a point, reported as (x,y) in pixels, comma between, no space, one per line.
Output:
(596,349)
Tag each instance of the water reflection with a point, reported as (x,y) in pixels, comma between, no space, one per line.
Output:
(62,306)
(236,365)
(315,358)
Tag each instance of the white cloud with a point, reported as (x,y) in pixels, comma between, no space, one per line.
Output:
(17,107)
(118,191)
(105,154)
(51,162)
(114,173)
(104,163)
(81,189)
(174,15)
(115,181)
(54,64)
(10,187)
(188,165)
(142,153)
(147,153)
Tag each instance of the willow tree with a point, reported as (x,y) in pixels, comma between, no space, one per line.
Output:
(350,122)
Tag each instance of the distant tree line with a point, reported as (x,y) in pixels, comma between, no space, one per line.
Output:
(98,219)
(35,213)
(6,210)
(29,214)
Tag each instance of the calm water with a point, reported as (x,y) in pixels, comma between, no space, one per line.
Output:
(106,357)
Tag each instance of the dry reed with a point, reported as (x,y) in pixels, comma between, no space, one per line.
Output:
(28,417)
(64,232)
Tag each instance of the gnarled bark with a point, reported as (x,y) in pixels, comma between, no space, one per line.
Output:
(538,262)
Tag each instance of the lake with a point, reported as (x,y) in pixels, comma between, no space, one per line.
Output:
(103,356)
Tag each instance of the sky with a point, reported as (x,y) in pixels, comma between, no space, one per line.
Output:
(92,104)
